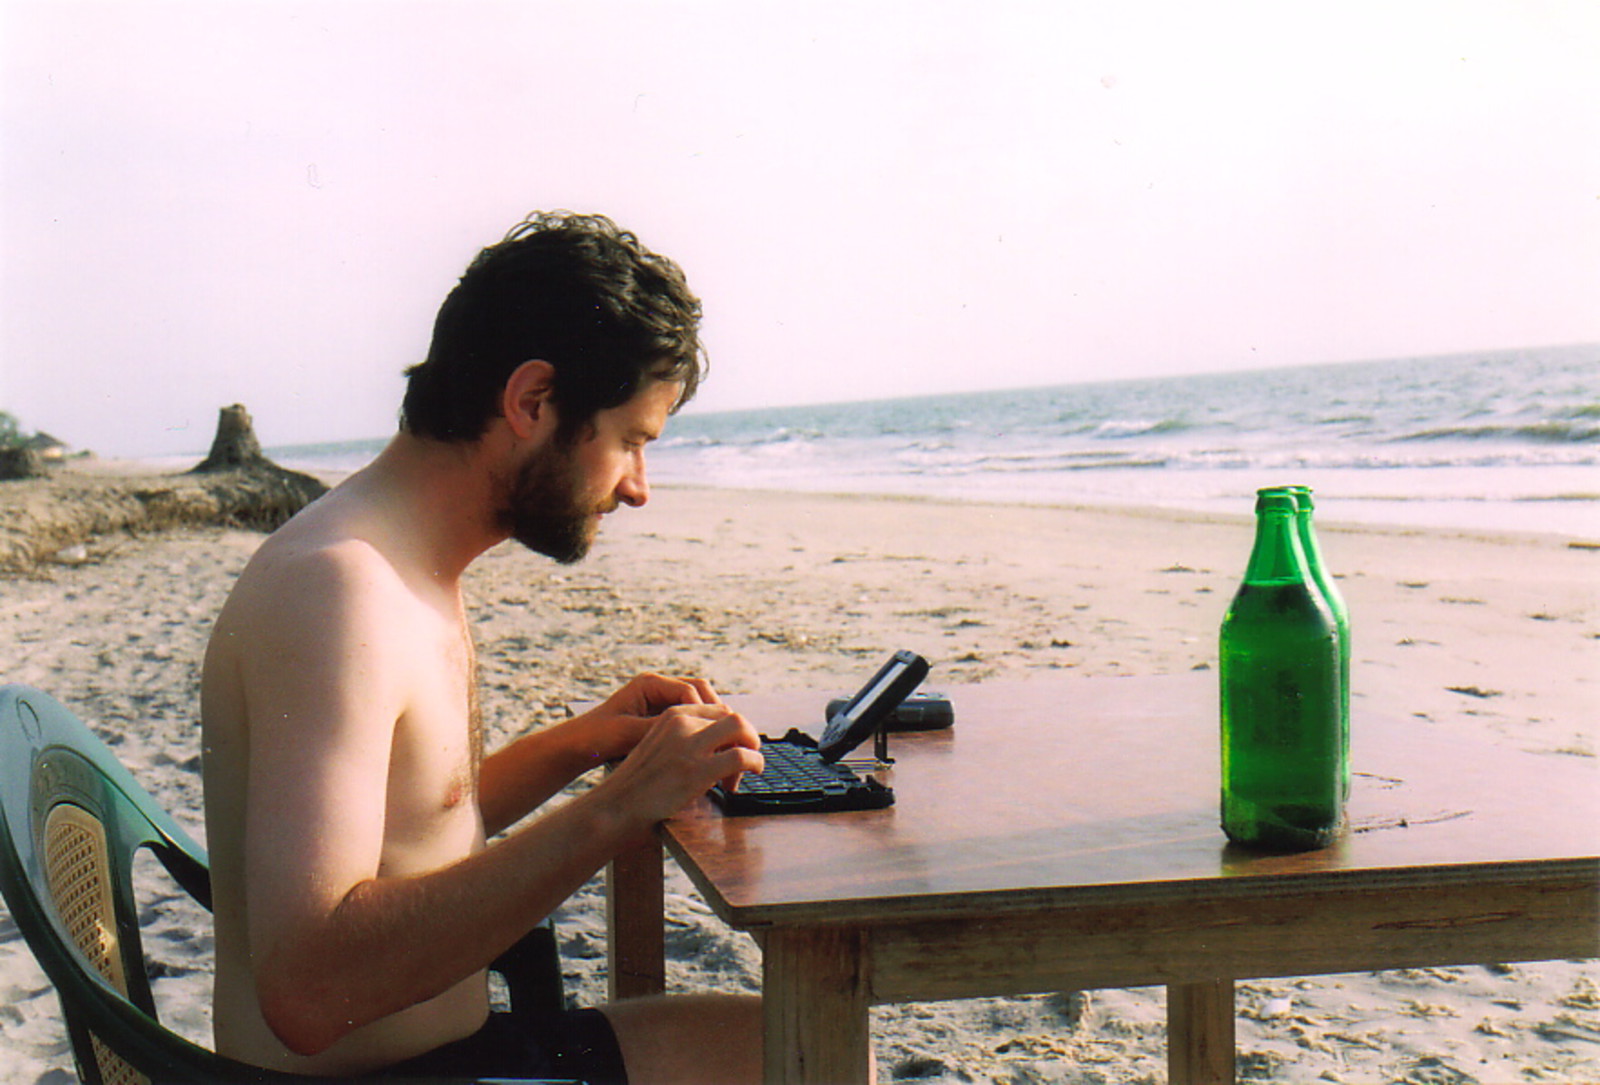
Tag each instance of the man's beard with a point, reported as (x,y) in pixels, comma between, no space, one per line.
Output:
(545,510)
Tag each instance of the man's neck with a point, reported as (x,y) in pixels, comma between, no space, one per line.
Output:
(441,494)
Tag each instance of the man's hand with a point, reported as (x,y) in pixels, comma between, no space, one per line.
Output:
(686,750)
(623,719)
(652,694)
(521,777)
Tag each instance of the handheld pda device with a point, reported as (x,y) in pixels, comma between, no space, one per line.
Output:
(803,774)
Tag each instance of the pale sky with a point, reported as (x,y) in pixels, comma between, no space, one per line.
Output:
(230,201)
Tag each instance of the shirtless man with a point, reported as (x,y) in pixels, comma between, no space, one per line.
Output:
(348,801)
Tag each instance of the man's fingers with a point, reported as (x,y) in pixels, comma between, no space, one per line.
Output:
(740,751)
(696,716)
(732,730)
(724,743)
(743,760)
(648,694)
(703,690)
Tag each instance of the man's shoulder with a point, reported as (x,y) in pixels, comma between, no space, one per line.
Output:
(307,570)
(318,562)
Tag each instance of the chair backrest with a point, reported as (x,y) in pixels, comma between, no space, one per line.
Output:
(71,820)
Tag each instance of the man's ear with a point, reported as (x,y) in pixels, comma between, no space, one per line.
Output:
(525,400)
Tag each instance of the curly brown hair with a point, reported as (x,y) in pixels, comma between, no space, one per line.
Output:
(576,291)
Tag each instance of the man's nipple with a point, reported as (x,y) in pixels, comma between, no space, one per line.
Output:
(456,792)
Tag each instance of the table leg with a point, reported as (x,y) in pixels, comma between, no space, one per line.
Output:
(815,1001)
(1200,1033)
(635,921)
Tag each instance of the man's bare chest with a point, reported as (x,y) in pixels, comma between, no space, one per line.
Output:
(431,810)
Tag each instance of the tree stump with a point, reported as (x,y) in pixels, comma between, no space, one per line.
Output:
(236,486)
(256,492)
(235,447)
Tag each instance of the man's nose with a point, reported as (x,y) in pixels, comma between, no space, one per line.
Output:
(634,489)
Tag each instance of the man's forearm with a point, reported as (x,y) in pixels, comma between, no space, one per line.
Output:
(520,777)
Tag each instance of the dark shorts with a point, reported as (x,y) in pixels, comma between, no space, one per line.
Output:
(576,1045)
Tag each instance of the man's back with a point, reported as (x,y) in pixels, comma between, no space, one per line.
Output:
(336,650)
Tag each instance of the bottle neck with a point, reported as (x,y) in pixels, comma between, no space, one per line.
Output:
(1308,537)
(1277,556)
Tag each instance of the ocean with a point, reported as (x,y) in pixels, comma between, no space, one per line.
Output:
(1505,440)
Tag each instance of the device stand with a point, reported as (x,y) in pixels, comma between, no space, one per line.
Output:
(880,745)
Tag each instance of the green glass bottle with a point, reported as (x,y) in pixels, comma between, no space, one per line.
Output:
(1305,507)
(1283,755)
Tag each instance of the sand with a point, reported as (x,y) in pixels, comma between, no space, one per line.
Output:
(1491,636)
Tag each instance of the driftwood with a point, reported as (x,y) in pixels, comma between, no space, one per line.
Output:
(62,518)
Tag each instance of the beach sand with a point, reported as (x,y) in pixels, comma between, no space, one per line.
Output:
(1491,636)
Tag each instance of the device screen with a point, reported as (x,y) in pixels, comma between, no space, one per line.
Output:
(859,703)
(851,725)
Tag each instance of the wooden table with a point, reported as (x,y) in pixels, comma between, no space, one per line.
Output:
(1063,836)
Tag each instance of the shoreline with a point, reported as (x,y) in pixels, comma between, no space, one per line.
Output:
(35,530)
(1548,499)
(1325,521)
(1575,514)
(1560,499)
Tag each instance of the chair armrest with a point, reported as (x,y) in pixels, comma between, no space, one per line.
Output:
(532,971)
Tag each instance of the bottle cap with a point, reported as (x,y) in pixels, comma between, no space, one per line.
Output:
(1301,494)
(1275,500)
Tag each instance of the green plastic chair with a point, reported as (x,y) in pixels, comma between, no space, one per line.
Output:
(71,820)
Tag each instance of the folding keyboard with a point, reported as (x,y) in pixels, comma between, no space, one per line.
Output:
(796,780)
(803,775)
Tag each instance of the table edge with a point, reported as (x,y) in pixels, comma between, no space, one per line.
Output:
(1571,872)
